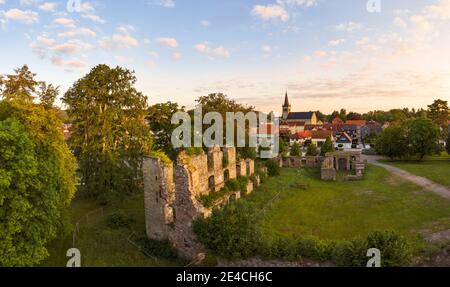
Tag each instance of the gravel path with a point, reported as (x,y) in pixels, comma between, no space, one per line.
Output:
(420,181)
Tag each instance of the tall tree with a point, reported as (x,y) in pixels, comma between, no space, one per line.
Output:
(439,112)
(20,86)
(221,104)
(295,149)
(393,142)
(48,95)
(423,136)
(37,181)
(109,132)
(159,117)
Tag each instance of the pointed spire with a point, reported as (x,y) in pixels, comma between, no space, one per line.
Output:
(286,100)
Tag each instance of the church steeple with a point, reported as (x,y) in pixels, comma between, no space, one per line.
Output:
(286,107)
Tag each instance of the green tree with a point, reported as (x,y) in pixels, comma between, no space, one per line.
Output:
(48,95)
(312,150)
(439,112)
(327,147)
(109,132)
(354,116)
(222,104)
(159,117)
(37,181)
(423,137)
(393,142)
(295,149)
(19,86)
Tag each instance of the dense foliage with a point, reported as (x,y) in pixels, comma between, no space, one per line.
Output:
(295,149)
(37,179)
(109,133)
(312,150)
(416,137)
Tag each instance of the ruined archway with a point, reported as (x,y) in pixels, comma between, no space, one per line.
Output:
(226,175)
(342,164)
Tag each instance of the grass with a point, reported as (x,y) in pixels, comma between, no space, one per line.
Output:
(435,168)
(102,246)
(346,210)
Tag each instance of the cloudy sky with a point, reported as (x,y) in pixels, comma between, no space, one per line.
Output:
(327,54)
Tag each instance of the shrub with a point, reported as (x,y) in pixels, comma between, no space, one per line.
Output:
(395,250)
(118,221)
(351,254)
(162,249)
(230,232)
(295,149)
(273,167)
(312,150)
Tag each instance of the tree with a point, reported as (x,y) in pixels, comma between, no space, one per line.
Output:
(37,182)
(343,115)
(295,149)
(221,104)
(19,86)
(159,117)
(438,112)
(393,142)
(109,132)
(48,95)
(327,147)
(312,150)
(423,136)
(354,116)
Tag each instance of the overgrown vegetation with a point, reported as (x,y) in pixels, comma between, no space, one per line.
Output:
(239,184)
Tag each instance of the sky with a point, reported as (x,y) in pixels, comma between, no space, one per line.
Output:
(327,54)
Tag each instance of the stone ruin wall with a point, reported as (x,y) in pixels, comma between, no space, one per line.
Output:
(172,192)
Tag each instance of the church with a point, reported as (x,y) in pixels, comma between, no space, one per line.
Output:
(290,118)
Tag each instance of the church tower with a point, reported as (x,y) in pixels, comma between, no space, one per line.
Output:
(286,107)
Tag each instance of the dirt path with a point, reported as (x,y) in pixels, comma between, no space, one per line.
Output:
(420,181)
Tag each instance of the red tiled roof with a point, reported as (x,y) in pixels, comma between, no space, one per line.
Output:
(302,135)
(356,122)
(322,134)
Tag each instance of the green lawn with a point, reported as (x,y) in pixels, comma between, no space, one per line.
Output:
(101,246)
(345,210)
(434,168)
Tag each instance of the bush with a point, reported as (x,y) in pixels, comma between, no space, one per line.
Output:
(395,250)
(230,232)
(162,249)
(273,167)
(351,254)
(312,150)
(295,149)
(119,221)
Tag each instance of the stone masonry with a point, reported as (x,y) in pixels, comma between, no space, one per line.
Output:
(172,193)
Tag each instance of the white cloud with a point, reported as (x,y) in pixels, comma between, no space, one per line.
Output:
(349,27)
(305,3)
(48,6)
(164,3)
(93,18)
(270,12)
(266,49)
(27,17)
(205,23)
(169,42)
(439,11)
(126,29)
(336,42)
(2,2)
(71,47)
(421,23)
(71,64)
(78,32)
(118,41)
(218,51)
(66,22)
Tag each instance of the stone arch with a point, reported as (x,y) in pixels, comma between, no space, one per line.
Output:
(342,164)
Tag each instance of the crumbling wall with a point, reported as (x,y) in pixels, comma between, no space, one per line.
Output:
(172,193)
(159,196)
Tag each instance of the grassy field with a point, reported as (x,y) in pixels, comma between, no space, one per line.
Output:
(436,168)
(100,245)
(345,210)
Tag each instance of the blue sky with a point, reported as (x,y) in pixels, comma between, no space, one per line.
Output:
(327,54)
